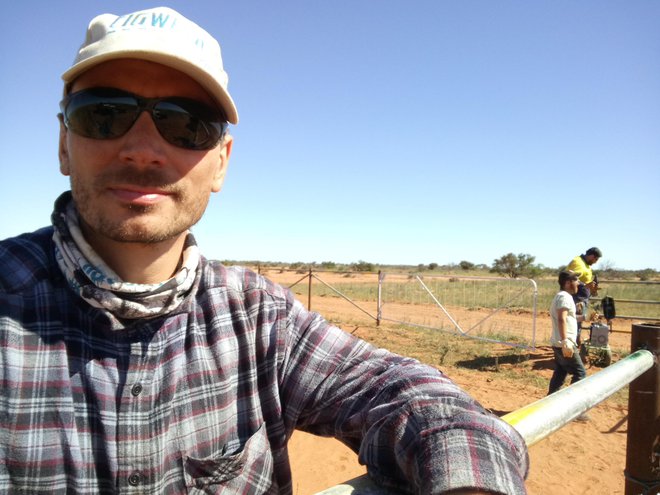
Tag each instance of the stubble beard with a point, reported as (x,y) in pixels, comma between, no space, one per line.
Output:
(146,224)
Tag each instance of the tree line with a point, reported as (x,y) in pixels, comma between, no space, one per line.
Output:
(508,265)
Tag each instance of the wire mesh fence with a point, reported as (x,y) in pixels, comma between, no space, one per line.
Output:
(489,308)
(497,309)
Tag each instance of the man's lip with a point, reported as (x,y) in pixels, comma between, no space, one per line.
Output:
(139,196)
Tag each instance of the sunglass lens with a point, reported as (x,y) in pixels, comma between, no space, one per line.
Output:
(186,125)
(100,116)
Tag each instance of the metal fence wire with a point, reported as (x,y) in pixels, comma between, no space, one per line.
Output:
(495,309)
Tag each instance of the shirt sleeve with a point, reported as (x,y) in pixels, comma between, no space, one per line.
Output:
(565,301)
(414,429)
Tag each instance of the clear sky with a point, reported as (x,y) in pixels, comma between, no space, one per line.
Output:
(391,131)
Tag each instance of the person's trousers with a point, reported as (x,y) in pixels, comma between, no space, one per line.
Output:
(566,366)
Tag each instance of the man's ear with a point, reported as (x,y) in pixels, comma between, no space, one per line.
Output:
(223,162)
(63,149)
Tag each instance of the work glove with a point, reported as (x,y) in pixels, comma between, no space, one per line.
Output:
(568,348)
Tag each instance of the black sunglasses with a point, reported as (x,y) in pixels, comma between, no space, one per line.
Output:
(108,113)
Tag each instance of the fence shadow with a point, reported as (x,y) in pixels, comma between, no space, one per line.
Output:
(489,363)
(543,359)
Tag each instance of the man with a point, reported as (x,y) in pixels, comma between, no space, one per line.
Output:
(132,364)
(581,265)
(564,333)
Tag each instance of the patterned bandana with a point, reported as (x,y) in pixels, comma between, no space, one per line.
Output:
(100,286)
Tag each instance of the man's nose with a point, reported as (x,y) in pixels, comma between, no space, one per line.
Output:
(143,144)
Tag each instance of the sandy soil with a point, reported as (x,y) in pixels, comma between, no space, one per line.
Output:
(581,458)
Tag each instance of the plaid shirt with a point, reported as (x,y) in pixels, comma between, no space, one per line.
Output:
(205,399)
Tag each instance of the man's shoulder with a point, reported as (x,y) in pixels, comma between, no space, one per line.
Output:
(26,259)
(578,264)
(563,299)
(240,279)
(577,261)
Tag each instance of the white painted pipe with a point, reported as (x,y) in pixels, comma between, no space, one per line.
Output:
(539,419)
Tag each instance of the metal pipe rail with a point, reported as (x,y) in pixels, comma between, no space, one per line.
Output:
(639,318)
(545,416)
(539,419)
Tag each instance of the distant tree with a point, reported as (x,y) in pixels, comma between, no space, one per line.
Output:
(515,266)
(605,266)
(363,266)
(421,267)
(328,265)
(433,266)
(547,271)
(607,270)
(646,274)
(534,271)
(466,265)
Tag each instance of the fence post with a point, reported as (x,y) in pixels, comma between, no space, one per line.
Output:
(643,441)
(309,290)
(379,310)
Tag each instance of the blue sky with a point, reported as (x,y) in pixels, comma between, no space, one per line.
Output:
(396,132)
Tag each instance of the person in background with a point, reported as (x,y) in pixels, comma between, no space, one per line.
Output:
(588,282)
(564,334)
(130,363)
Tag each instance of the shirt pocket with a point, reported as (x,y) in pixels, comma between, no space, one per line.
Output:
(248,471)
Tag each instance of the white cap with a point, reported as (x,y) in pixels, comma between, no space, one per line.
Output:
(159,35)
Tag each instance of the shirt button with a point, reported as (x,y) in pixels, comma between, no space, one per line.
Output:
(136,389)
(134,479)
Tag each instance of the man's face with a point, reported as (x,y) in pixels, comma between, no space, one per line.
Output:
(571,286)
(139,188)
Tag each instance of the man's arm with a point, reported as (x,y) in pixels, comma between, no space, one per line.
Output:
(562,313)
(568,346)
(561,322)
(413,427)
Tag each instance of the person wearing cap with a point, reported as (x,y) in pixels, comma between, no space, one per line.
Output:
(588,282)
(564,333)
(133,364)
